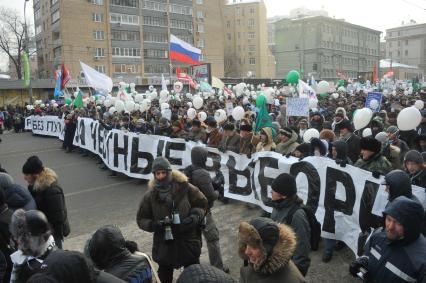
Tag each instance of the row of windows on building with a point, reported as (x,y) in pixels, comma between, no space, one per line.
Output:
(250,23)
(399,43)
(346,61)
(241,61)
(241,35)
(150,5)
(349,33)
(348,47)
(153,37)
(398,53)
(240,11)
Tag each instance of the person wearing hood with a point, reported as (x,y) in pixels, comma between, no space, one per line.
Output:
(302,150)
(31,231)
(318,147)
(230,139)
(371,157)
(266,140)
(203,273)
(398,184)
(268,248)
(287,204)
(393,135)
(288,141)
(338,118)
(163,128)
(16,196)
(397,252)
(339,153)
(317,121)
(44,186)
(200,177)
(107,249)
(197,133)
(413,163)
(71,267)
(352,140)
(172,209)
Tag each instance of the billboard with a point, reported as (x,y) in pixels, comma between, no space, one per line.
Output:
(202,72)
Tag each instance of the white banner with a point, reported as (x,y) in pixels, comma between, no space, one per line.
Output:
(343,198)
(45,126)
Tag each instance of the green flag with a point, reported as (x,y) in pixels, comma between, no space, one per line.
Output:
(26,67)
(78,102)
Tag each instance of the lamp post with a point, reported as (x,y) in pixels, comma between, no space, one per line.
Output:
(27,50)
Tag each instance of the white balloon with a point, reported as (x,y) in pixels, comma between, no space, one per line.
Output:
(153,95)
(191,113)
(197,102)
(189,104)
(220,115)
(313,103)
(374,104)
(119,105)
(381,137)
(419,104)
(362,118)
(112,110)
(202,116)
(367,132)
(165,106)
(29,107)
(245,101)
(409,118)
(139,97)
(335,95)
(188,95)
(238,113)
(146,104)
(323,87)
(164,94)
(310,134)
(129,105)
(42,105)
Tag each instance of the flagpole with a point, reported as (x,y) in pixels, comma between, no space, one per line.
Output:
(169,34)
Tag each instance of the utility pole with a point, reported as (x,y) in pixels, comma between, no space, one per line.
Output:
(27,50)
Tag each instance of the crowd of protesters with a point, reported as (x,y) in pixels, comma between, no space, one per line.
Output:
(177,206)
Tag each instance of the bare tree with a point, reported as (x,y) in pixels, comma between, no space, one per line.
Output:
(12,37)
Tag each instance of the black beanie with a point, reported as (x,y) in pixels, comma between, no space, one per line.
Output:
(246,128)
(161,163)
(285,185)
(371,144)
(286,132)
(33,165)
(268,231)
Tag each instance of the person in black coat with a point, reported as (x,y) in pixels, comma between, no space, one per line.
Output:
(5,248)
(70,127)
(48,195)
(107,249)
(352,140)
(16,196)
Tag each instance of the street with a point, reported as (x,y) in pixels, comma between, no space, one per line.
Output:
(94,199)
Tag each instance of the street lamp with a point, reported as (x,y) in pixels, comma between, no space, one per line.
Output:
(27,50)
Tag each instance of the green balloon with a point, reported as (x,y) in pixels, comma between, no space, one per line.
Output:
(293,77)
(68,101)
(341,83)
(323,95)
(260,101)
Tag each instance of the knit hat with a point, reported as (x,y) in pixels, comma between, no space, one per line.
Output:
(33,165)
(246,128)
(5,180)
(285,185)
(204,273)
(228,127)
(161,163)
(286,132)
(392,129)
(345,124)
(371,144)
(412,155)
(210,121)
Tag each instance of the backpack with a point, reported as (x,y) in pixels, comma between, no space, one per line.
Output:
(315,226)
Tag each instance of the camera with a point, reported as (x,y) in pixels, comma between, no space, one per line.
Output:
(167,224)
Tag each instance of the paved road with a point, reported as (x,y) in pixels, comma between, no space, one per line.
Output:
(94,199)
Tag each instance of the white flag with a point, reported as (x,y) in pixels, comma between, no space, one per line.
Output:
(305,90)
(95,79)
(163,83)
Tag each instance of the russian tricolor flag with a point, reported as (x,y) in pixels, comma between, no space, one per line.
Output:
(183,51)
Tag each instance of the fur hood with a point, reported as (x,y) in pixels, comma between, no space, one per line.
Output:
(281,253)
(45,179)
(177,177)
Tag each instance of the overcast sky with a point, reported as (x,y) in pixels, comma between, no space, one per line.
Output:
(379,15)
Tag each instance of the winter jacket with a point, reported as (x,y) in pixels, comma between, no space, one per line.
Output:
(352,141)
(300,224)
(289,146)
(199,135)
(269,144)
(50,199)
(231,143)
(278,267)
(214,138)
(186,200)
(19,197)
(163,131)
(203,273)
(70,128)
(376,163)
(419,178)
(401,260)
(107,249)
(199,176)
(248,145)
(393,155)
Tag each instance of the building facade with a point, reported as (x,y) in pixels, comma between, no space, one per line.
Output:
(125,39)
(322,46)
(246,41)
(407,45)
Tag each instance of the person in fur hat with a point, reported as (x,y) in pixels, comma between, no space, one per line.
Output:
(173,210)
(48,195)
(268,248)
(371,157)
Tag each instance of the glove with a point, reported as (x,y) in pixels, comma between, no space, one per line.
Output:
(376,174)
(157,226)
(287,155)
(354,267)
(249,155)
(342,163)
(189,223)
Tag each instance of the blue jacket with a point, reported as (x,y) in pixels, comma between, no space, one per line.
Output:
(401,260)
(19,197)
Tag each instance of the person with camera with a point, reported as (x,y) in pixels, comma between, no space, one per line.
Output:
(397,252)
(174,211)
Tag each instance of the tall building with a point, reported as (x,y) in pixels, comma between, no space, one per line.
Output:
(321,46)
(125,39)
(208,35)
(407,44)
(246,40)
